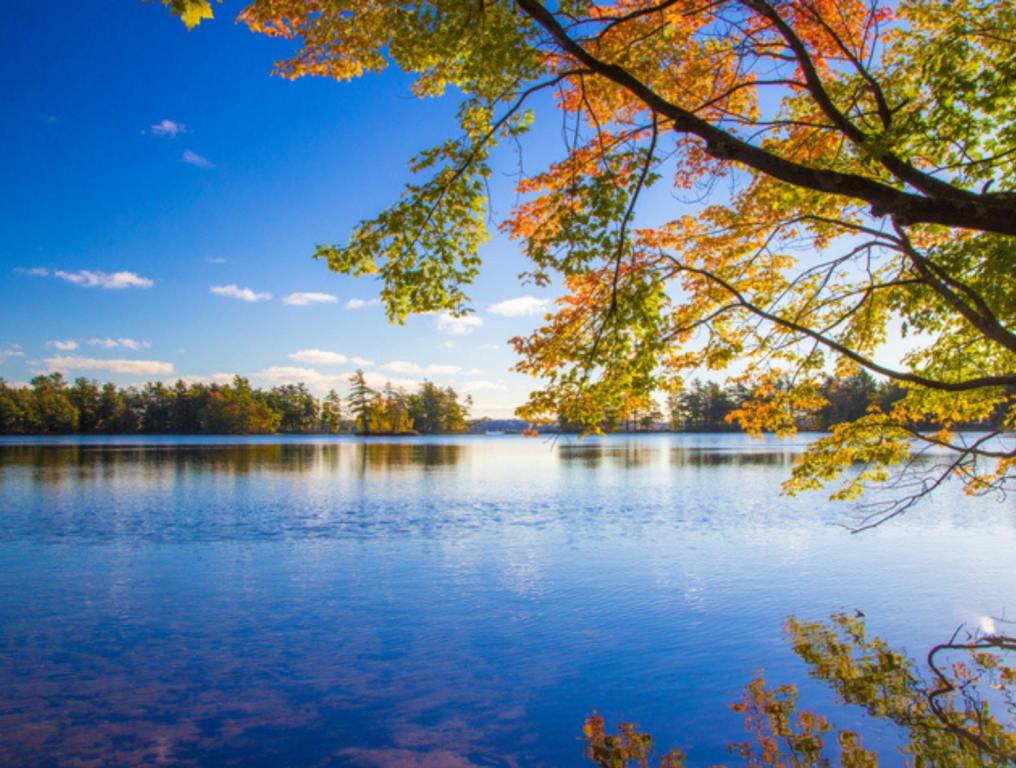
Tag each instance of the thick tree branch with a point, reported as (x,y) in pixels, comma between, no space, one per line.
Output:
(990,213)
(980,315)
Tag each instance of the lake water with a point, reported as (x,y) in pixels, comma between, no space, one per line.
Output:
(460,601)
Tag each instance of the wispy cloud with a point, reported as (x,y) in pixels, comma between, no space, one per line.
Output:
(167,127)
(319,357)
(33,271)
(68,345)
(442,370)
(458,326)
(216,260)
(490,347)
(234,291)
(401,366)
(362,303)
(311,297)
(131,367)
(193,158)
(114,343)
(10,350)
(111,281)
(523,306)
(363,361)
(483,386)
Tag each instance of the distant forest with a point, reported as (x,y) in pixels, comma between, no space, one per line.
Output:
(706,406)
(49,405)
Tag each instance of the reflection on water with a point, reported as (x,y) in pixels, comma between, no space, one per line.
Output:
(91,462)
(437,602)
(594,453)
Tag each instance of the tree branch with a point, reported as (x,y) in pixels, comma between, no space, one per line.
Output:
(990,213)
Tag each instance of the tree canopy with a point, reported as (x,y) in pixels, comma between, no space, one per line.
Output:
(848,169)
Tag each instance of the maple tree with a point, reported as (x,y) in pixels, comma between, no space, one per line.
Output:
(853,162)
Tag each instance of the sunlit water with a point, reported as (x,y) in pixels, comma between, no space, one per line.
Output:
(438,602)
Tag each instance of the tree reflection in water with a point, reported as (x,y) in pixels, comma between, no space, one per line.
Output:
(625,455)
(54,463)
(961,714)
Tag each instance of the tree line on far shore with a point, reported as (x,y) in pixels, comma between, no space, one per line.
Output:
(51,405)
(710,407)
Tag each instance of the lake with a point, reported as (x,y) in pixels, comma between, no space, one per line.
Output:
(451,601)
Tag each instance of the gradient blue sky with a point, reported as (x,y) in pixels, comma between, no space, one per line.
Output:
(147,165)
(261,170)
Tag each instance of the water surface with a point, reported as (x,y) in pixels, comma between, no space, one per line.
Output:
(461,601)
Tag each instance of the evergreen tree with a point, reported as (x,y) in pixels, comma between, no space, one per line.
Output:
(361,402)
(331,413)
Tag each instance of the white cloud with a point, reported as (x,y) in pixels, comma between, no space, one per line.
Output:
(442,370)
(167,127)
(449,344)
(361,361)
(215,378)
(401,366)
(68,345)
(289,374)
(319,356)
(33,271)
(458,326)
(523,306)
(133,367)
(316,380)
(377,380)
(474,371)
(311,297)
(114,343)
(234,291)
(361,303)
(216,260)
(111,281)
(490,347)
(482,386)
(193,158)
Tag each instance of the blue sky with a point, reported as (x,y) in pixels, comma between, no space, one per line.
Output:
(146,166)
(162,197)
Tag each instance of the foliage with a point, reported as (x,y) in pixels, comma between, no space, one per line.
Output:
(708,407)
(850,165)
(238,410)
(299,410)
(436,409)
(950,719)
(361,401)
(191,12)
(51,406)
(429,410)
(331,413)
(390,412)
